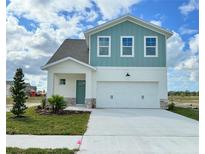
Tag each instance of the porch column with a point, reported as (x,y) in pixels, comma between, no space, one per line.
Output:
(50,82)
(88,85)
(88,90)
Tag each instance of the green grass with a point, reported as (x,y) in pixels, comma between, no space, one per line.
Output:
(36,99)
(187,112)
(10,150)
(36,124)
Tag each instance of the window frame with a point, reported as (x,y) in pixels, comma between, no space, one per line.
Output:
(121,46)
(61,83)
(145,46)
(98,46)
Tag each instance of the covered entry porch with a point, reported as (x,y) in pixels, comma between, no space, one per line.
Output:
(73,81)
(71,86)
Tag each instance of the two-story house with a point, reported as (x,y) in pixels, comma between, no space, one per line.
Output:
(119,64)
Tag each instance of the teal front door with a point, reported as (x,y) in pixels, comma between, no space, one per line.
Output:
(80,92)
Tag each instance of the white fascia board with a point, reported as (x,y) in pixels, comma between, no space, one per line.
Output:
(65,59)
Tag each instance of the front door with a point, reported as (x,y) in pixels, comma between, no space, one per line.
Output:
(80,91)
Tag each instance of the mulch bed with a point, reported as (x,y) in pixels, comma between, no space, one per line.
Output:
(48,111)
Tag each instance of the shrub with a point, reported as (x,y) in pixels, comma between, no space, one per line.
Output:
(57,103)
(171,106)
(43,103)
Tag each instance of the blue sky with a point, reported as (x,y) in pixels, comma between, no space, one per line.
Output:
(36,28)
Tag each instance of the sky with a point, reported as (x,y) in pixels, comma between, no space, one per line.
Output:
(36,28)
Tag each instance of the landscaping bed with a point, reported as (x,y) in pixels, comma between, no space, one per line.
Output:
(10,150)
(47,111)
(36,122)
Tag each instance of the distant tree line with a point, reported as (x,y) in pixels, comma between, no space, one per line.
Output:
(183,93)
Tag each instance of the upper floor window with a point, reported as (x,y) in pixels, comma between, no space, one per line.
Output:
(104,46)
(127,46)
(150,46)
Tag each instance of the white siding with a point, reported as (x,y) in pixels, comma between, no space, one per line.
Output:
(69,89)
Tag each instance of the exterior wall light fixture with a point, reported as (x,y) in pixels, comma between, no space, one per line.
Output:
(127,75)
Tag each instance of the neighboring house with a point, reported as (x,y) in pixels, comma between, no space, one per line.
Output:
(119,64)
(8,87)
(28,88)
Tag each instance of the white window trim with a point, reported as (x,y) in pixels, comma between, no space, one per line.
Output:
(145,54)
(98,47)
(121,46)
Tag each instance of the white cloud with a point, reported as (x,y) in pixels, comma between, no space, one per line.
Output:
(186,8)
(101,22)
(194,44)
(156,22)
(182,80)
(113,8)
(175,46)
(27,66)
(38,80)
(187,31)
(181,59)
(191,63)
(31,49)
(91,16)
(194,76)
(46,11)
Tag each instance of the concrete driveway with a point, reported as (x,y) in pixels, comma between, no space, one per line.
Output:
(139,131)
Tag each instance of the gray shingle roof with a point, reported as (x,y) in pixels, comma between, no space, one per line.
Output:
(75,48)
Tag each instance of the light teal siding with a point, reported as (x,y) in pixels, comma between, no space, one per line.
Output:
(128,28)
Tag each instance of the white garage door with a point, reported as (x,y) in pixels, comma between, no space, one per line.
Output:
(127,95)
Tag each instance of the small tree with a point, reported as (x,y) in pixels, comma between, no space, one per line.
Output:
(57,103)
(19,93)
(43,103)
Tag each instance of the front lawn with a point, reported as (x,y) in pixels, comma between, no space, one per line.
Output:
(10,150)
(188,112)
(36,124)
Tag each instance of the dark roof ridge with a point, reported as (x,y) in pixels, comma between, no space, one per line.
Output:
(73,39)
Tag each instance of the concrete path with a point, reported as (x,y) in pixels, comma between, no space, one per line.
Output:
(35,141)
(78,108)
(139,131)
(9,106)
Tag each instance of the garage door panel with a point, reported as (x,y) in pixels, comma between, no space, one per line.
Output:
(127,95)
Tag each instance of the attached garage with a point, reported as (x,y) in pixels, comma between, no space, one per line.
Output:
(127,95)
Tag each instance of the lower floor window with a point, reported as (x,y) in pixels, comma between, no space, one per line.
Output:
(62,81)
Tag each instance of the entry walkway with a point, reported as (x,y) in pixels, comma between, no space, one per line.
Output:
(43,141)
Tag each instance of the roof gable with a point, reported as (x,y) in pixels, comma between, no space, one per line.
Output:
(66,59)
(132,19)
(75,48)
